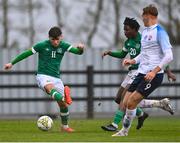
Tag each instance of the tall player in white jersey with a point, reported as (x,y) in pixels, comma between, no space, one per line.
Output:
(155,54)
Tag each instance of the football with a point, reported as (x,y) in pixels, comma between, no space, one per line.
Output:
(44,123)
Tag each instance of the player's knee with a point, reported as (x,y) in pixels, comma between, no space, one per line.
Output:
(131,104)
(121,106)
(48,88)
(124,103)
(48,91)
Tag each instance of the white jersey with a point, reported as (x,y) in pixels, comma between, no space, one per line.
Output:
(155,48)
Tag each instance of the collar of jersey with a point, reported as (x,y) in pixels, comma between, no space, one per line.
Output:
(151,27)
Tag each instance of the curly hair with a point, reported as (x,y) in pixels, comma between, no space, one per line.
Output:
(131,22)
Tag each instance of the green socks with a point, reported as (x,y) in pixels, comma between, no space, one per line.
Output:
(64,113)
(139,112)
(118,116)
(56,95)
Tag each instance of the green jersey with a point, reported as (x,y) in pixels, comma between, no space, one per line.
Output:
(50,57)
(133,47)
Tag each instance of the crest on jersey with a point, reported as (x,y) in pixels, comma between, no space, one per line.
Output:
(148,37)
(145,37)
(59,50)
(137,46)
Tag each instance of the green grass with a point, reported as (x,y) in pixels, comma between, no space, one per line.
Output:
(165,129)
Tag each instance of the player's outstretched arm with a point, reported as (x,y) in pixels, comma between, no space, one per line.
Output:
(79,49)
(18,58)
(116,54)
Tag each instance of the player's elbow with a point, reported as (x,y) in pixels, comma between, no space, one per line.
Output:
(170,57)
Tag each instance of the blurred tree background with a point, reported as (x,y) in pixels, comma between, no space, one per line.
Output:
(97,23)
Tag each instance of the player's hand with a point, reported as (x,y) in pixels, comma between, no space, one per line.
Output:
(149,76)
(127,62)
(171,76)
(8,66)
(105,53)
(80,46)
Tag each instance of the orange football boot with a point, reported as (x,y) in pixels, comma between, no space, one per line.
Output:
(68,130)
(67,93)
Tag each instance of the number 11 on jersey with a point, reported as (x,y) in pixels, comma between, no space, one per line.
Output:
(53,55)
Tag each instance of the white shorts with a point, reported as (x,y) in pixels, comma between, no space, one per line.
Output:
(129,78)
(43,80)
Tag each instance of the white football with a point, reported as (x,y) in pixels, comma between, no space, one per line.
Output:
(45,123)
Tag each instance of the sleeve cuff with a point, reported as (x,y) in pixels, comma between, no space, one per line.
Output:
(69,48)
(33,50)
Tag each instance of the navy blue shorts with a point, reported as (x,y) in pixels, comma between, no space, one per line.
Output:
(143,87)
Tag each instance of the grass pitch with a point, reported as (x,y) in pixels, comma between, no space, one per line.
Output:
(164,129)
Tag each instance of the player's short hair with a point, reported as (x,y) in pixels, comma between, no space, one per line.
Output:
(150,9)
(55,32)
(131,22)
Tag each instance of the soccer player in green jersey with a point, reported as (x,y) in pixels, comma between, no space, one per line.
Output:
(50,54)
(132,47)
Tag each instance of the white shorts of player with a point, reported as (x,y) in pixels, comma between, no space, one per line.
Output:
(43,80)
(129,78)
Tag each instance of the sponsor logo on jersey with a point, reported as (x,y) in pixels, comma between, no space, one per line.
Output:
(47,49)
